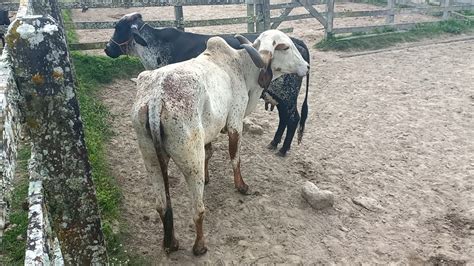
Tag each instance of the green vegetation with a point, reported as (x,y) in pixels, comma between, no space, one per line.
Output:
(373,2)
(468,13)
(14,240)
(388,37)
(71,34)
(91,73)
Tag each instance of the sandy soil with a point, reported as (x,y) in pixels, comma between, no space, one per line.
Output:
(396,127)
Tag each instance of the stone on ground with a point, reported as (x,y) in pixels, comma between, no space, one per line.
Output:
(317,198)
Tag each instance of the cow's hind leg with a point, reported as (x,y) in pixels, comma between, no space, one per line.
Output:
(191,162)
(209,152)
(156,164)
(283,115)
(293,120)
(234,152)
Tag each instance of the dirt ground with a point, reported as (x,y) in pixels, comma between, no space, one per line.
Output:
(396,127)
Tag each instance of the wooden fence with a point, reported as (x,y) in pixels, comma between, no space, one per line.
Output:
(392,9)
(258,16)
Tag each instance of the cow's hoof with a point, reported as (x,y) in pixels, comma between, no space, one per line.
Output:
(199,249)
(272,146)
(243,189)
(282,153)
(173,247)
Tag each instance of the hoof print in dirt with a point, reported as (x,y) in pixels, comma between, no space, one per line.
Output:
(367,203)
(317,198)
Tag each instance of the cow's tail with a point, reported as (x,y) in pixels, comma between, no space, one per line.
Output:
(304,112)
(156,131)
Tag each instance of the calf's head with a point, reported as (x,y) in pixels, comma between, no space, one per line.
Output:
(275,54)
(126,32)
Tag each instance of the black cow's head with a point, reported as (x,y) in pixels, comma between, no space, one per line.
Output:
(126,31)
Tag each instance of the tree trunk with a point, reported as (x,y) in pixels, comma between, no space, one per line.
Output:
(49,112)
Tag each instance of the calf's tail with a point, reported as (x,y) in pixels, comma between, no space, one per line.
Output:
(304,112)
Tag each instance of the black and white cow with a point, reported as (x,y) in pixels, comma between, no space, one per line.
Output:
(170,45)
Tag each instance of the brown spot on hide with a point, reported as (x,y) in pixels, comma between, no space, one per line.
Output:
(179,92)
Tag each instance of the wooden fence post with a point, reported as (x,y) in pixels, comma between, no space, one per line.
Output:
(446,13)
(49,113)
(329,19)
(266,14)
(260,16)
(250,15)
(179,17)
(390,19)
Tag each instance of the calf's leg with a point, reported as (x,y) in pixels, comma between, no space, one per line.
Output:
(293,120)
(283,115)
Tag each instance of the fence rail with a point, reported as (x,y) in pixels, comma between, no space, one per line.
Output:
(258,16)
(13,6)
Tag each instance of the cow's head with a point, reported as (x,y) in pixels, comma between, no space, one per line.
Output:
(275,54)
(126,32)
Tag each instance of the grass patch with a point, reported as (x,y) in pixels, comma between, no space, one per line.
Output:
(13,248)
(390,37)
(71,35)
(92,72)
(373,2)
(468,13)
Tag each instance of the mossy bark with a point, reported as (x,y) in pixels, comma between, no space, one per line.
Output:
(49,112)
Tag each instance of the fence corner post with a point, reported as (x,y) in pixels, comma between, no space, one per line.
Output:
(446,13)
(390,19)
(328,28)
(259,16)
(250,16)
(179,17)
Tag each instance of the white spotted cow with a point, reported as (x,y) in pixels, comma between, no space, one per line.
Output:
(182,107)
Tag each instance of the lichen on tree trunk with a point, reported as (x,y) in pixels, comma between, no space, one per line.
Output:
(49,112)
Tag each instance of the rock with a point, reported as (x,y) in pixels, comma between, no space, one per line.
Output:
(20,238)
(367,203)
(344,229)
(317,198)
(252,128)
(256,130)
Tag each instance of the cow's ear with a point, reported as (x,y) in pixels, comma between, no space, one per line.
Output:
(139,39)
(265,77)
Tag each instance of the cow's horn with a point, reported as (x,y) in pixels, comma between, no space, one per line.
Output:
(254,55)
(242,39)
